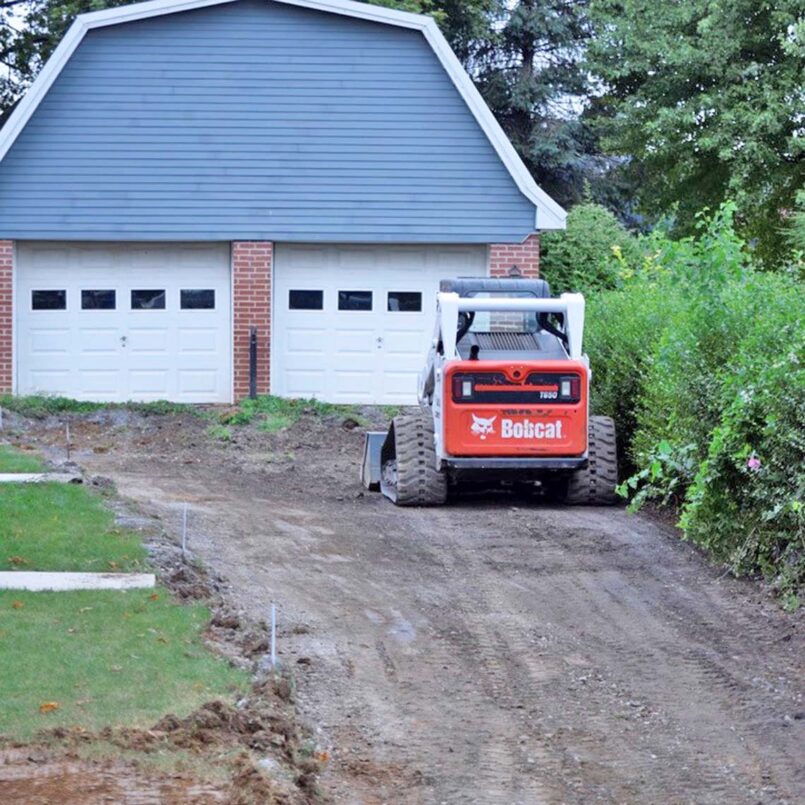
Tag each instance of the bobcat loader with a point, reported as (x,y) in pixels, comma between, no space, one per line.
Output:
(504,399)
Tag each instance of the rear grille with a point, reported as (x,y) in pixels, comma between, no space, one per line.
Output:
(513,342)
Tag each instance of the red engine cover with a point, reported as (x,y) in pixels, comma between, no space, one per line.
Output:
(513,427)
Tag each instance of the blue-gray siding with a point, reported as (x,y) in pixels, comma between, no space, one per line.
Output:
(257,120)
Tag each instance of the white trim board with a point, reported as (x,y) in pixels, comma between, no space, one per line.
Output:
(38,581)
(549,215)
(39,478)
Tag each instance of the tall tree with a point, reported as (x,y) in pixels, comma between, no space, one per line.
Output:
(705,98)
(530,71)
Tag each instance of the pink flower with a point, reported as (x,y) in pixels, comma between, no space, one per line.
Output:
(753,463)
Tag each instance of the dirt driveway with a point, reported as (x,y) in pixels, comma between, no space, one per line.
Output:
(495,650)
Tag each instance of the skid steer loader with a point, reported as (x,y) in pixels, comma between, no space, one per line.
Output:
(504,399)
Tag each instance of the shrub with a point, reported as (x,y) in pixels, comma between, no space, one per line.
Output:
(699,357)
(590,254)
(620,328)
(746,501)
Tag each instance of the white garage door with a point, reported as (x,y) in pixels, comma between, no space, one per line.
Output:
(352,324)
(124,321)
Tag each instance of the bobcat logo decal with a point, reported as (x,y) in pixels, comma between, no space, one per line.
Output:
(483,427)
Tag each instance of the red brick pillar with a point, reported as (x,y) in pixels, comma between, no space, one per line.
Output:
(251,299)
(504,257)
(6,315)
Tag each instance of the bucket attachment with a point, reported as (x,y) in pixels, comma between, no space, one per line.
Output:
(371,465)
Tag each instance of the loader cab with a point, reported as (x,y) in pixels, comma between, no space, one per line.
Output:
(507,335)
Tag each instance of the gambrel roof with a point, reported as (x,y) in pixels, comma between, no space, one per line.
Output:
(549,214)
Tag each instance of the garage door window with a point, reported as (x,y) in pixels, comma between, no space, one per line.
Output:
(405,302)
(98,300)
(48,300)
(197,299)
(148,300)
(306,300)
(354,300)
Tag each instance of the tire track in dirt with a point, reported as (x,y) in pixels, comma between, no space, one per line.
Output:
(666,675)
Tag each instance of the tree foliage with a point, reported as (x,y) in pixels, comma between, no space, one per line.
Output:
(705,99)
(590,254)
(795,231)
(530,71)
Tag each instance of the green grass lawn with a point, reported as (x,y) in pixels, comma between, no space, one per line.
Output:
(12,460)
(103,658)
(38,407)
(273,414)
(62,527)
(91,658)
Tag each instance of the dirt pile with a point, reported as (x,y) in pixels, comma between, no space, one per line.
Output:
(257,735)
(257,749)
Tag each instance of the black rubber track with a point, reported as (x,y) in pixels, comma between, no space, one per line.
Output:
(594,485)
(419,483)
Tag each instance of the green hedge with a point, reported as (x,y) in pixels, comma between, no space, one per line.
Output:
(590,254)
(701,360)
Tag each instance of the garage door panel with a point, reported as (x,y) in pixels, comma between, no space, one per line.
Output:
(404,259)
(314,256)
(47,342)
(358,258)
(368,356)
(148,340)
(397,382)
(54,381)
(402,398)
(115,352)
(302,341)
(98,382)
(403,342)
(301,383)
(149,382)
(355,341)
(359,386)
(198,341)
(200,382)
(97,341)
(309,366)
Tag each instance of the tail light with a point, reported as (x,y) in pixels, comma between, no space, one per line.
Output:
(463,387)
(496,387)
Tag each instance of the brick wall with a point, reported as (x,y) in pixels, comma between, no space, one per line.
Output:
(6,315)
(504,256)
(251,292)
